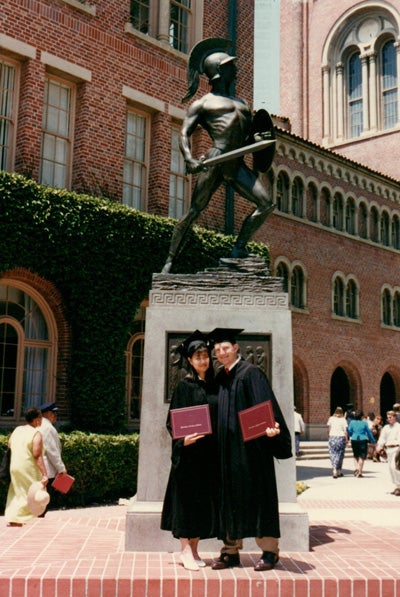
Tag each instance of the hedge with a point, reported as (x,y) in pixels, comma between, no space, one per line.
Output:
(100,255)
(104,467)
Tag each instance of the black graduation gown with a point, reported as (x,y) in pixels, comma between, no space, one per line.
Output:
(248,499)
(189,508)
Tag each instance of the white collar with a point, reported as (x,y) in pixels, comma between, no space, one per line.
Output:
(234,364)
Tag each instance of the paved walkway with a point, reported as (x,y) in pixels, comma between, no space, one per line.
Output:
(354,537)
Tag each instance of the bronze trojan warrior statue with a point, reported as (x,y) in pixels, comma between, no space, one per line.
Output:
(234,132)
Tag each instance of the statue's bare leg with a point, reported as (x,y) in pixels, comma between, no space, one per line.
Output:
(177,236)
(250,187)
(205,187)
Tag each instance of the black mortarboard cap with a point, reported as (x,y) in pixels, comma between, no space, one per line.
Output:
(192,343)
(224,335)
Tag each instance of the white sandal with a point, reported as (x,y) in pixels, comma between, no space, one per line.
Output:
(188,560)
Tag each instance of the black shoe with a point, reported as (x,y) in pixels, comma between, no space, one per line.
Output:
(267,562)
(226,560)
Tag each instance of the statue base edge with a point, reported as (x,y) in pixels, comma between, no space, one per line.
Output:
(143,533)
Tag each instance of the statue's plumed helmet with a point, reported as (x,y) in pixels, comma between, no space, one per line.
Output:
(213,62)
(207,57)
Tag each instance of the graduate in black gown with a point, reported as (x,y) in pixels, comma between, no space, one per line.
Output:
(249,498)
(189,509)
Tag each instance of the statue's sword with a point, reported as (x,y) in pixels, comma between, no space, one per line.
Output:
(236,153)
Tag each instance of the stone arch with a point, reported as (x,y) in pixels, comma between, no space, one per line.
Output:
(50,302)
(345,384)
(388,392)
(341,26)
(301,388)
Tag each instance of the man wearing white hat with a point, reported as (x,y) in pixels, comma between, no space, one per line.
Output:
(52,456)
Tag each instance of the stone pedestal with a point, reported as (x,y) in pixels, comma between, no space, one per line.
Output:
(239,294)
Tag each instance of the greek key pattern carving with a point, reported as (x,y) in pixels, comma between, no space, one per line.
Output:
(232,299)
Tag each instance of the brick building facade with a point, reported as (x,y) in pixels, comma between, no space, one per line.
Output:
(93,104)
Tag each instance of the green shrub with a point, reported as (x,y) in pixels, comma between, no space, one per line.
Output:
(104,467)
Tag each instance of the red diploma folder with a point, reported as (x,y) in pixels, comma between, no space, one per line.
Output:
(255,420)
(190,419)
(63,483)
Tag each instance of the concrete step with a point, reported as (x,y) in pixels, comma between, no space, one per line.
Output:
(319,451)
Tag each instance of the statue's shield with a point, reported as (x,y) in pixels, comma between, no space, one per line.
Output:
(263,127)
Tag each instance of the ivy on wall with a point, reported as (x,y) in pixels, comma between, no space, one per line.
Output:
(101,256)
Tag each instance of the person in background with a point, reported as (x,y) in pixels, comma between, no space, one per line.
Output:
(189,508)
(337,440)
(299,428)
(52,445)
(371,447)
(376,431)
(249,498)
(359,434)
(26,467)
(349,413)
(396,408)
(389,440)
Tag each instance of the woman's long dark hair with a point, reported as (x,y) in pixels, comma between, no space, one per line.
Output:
(192,374)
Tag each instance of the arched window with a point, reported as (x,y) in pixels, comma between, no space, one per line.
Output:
(350,217)
(359,73)
(395,233)
(351,300)
(312,203)
(283,272)
(363,221)
(134,368)
(135,376)
(389,85)
(338,297)
(325,208)
(297,198)
(374,231)
(396,309)
(27,351)
(294,282)
(282,193)
(385,237)
(297,288)
(337,212)
(355,99)
(386,307)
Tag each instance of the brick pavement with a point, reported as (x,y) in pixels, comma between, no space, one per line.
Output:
(354,541)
